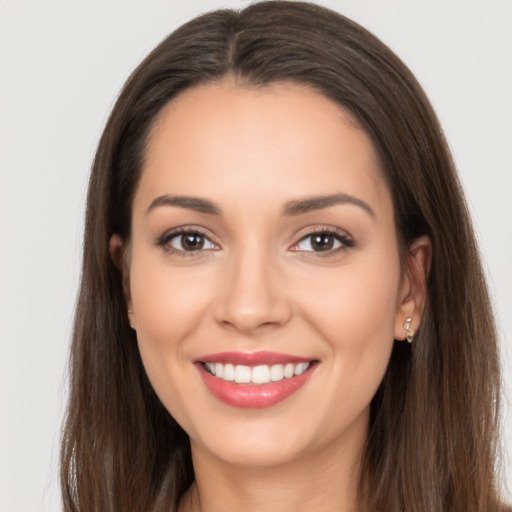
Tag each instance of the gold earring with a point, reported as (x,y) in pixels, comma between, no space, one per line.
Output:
(131,325)
(407,327)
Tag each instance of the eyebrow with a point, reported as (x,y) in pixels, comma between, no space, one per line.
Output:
(190,203)
(291,208)
(318,202)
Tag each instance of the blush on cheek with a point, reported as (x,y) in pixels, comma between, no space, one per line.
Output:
(168,302)
(356,308)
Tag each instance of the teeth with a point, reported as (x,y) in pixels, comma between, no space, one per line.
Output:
(242,374)
(276,373)
(289,369)
(300,368)
(262,374)
(229,373)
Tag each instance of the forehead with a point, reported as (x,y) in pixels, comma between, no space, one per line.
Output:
(268,143)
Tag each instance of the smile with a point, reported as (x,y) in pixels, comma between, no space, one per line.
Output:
(262,374)
(254,380)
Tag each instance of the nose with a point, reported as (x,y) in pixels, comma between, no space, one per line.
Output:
(252,297)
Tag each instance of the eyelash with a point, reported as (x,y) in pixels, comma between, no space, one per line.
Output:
(340,236)
(345,241)
(164,240)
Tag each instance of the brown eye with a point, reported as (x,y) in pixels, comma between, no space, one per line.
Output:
(188,242)
(192,242)
(322,242)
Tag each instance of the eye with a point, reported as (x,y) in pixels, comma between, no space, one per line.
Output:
(187,241)
(323,241)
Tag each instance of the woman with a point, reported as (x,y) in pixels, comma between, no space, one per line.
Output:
(273,214)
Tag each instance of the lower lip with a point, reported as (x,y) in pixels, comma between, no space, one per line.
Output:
(253,396)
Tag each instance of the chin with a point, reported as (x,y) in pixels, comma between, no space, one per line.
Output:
(252,449)
(251,439)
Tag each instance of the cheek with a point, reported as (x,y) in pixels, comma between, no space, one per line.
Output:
(169,303)
(355,321)
(354,305)
(354,312)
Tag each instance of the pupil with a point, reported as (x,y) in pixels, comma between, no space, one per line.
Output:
(192,242)
(322,242)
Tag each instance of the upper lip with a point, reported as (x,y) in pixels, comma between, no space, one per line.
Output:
(252,358)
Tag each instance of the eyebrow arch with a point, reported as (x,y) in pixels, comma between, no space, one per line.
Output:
(190,203)
(291,208)
(318,202)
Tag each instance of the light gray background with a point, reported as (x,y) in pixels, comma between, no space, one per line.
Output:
(62,64)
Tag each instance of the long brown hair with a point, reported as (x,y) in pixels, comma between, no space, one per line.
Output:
(432,442)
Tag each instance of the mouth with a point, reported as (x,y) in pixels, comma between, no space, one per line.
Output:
(254,380)
(261,374)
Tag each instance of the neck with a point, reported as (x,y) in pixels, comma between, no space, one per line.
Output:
(325,480)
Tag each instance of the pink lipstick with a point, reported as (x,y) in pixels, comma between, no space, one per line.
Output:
(254,379)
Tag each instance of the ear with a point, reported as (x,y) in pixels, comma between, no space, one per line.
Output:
(413,288)
(120,257)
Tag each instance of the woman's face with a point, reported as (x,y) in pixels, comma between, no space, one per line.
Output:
(264,250)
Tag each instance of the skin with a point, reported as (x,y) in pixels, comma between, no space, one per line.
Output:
(258,285)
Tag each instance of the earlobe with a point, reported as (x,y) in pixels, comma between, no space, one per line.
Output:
(117,250)
(413,293)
